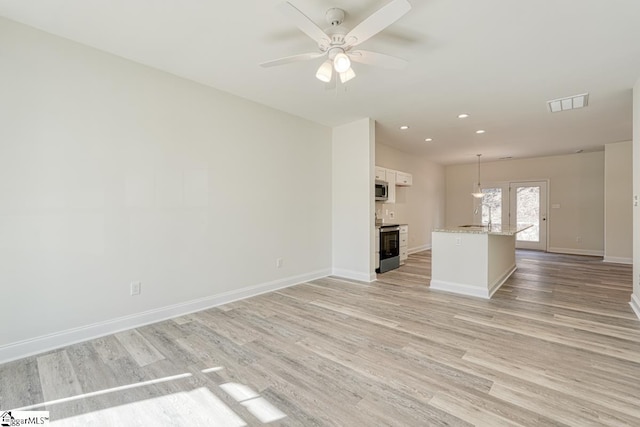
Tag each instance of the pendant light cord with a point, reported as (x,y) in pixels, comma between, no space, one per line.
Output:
(479,171)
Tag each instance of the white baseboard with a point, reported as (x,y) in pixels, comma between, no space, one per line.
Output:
(573,251)
(473,291)
(617,260)
(418,249)
(354,275)
(67,337)
(635,304)
(500,281)
(459,288)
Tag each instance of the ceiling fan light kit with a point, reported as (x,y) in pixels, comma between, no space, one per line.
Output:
(347,75)
(325,72)
(337,42)
(341,62)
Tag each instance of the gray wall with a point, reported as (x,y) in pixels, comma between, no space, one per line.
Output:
(113,172)
(421,205)
(576,183)
(618,210)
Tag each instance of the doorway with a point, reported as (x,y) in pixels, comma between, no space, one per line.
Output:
(517,203)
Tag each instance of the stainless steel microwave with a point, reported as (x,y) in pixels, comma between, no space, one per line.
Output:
(382,190)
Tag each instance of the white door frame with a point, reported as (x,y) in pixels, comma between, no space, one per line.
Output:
(543,243)
(507,207)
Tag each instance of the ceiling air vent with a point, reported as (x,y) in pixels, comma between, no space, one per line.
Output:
(568,103)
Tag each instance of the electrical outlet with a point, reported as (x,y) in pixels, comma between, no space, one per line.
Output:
(579,239)
(392,215)
(458,241)
(136,288)
(279,262)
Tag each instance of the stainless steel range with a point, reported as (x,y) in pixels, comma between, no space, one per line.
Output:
(389,247)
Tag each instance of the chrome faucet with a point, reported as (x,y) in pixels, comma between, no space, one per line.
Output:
(479,207)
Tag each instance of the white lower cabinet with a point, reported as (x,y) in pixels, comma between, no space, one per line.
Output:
(404,242)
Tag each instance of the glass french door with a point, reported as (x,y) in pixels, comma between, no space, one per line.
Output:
(528,205)
(516,203)
(494,205)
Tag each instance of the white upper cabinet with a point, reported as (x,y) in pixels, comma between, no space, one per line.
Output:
(403,179)
(393,178)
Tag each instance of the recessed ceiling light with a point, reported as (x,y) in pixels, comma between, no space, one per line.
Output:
(463,116)
(480,131)
(428,139)
(404,127)
(579,151)
(505,158)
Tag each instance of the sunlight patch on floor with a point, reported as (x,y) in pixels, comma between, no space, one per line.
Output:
(258,406)
(102,392)
(199,407)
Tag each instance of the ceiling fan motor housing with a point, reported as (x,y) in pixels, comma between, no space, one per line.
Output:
(334,16)
(336,32)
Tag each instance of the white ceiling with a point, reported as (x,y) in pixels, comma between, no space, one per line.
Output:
(498,60)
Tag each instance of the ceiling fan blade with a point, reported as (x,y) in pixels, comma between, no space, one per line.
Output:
(378,59)
(377,22)
(303,22)
(293,58)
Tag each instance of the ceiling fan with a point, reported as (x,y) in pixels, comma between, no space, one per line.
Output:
(337,43)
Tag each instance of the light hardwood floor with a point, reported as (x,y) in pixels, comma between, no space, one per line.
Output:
(557,345)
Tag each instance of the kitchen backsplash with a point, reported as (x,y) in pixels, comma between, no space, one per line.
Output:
(391,213)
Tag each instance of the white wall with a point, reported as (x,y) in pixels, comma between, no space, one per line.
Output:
(353,177)
(618,211)
(576,183)
(635,297)
(422,205)
(112,172)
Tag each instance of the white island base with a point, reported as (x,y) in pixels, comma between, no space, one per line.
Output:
(473,261)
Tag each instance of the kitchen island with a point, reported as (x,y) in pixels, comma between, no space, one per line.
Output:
(473,260)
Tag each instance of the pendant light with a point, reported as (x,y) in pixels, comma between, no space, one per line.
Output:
(478,194)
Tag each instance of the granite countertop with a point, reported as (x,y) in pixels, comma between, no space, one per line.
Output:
(496,229)
(389,225)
